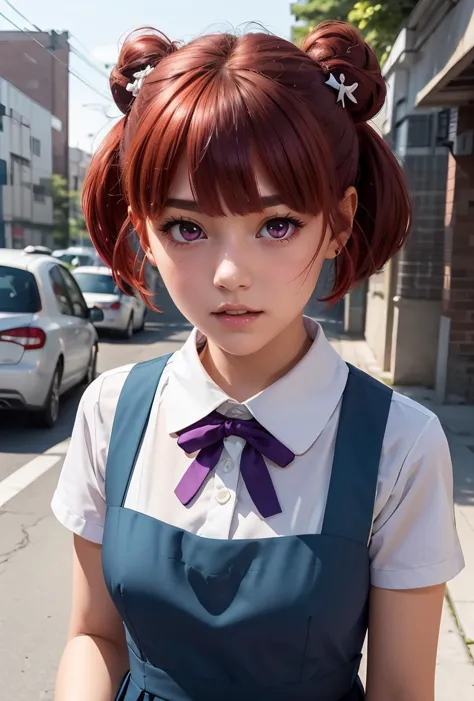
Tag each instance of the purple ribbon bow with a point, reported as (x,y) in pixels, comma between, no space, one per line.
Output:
(207,437)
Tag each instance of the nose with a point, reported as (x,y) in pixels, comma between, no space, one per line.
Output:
(232,274)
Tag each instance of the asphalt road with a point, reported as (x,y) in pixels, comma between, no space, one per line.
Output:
(35,551)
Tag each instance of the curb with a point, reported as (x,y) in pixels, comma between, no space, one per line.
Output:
(469,644)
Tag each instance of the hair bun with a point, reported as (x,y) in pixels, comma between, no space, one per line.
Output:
(144,47)
(339,47)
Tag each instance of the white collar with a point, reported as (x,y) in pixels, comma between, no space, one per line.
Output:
(295,409)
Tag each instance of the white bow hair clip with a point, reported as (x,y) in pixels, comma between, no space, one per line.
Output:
(137,84)
(343,89)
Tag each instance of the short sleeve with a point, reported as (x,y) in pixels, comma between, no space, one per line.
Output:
(79,500)
(414,541)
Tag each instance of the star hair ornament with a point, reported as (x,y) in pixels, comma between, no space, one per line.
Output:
(343,89)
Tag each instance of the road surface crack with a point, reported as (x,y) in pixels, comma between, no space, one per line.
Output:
(11,512)
(24,542)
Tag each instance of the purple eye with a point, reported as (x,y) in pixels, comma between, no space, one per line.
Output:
(185,232)
(280,228)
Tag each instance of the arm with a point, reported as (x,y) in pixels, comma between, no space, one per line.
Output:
(414,550)
(403,641)
(95,659)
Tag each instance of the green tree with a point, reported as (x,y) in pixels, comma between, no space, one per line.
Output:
(378,21)
(77,226)
(69,222)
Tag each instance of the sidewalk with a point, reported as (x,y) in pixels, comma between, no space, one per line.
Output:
(455,673)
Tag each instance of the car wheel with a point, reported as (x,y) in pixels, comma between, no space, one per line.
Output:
(48,415)
(128,333)
(91,368)
(142,325)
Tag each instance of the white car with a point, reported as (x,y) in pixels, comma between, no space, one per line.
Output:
(122,313)
(48,342)
(75,256)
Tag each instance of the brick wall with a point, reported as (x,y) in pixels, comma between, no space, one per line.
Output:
(458,283)
(420,272)
(31,69)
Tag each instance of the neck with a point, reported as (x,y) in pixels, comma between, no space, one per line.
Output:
(242,377)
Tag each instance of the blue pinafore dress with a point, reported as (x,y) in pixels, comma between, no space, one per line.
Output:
(265,619)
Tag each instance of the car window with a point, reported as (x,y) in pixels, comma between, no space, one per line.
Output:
(76,258)
(65,257)
(60,291)
(94,282)
(18,291)
(85,259)
(75,295)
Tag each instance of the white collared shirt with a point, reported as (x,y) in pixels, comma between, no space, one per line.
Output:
(413,541)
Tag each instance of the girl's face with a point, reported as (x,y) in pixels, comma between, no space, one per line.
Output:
(241,280)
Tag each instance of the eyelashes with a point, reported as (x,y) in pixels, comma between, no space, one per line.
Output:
(182,231)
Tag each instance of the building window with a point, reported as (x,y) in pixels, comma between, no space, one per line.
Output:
(15,162)
(420,130)
(35,146)
(3,112)
(47,185)
(39,193)
(442,131)
(397,133)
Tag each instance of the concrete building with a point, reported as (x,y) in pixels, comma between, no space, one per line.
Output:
(37,63)
(79,162)
(420,310)
(26,167)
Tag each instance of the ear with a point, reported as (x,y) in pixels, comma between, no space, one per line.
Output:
(142,233)
(347,208)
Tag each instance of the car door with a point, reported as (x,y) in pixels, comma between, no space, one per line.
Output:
(84,331)
(138,310)
(66,323)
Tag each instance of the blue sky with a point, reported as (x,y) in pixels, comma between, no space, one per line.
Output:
(96,27)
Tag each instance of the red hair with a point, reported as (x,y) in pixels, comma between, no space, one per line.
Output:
(226,103)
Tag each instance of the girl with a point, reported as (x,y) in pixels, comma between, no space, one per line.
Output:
(246,509)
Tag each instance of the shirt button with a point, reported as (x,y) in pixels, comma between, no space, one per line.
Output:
(223,496)
(227,466)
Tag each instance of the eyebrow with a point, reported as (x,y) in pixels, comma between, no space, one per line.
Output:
(192,206)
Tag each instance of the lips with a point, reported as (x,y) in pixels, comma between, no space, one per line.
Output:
(236,317)
(235,313)
(236,310)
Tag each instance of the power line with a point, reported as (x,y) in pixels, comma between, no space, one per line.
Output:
(73,49)
(78,53)
(81,43)
(10,4)
(88,51)
(56,58)
(90,60)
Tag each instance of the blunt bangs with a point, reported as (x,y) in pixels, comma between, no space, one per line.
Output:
(226,126)
(230,108)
